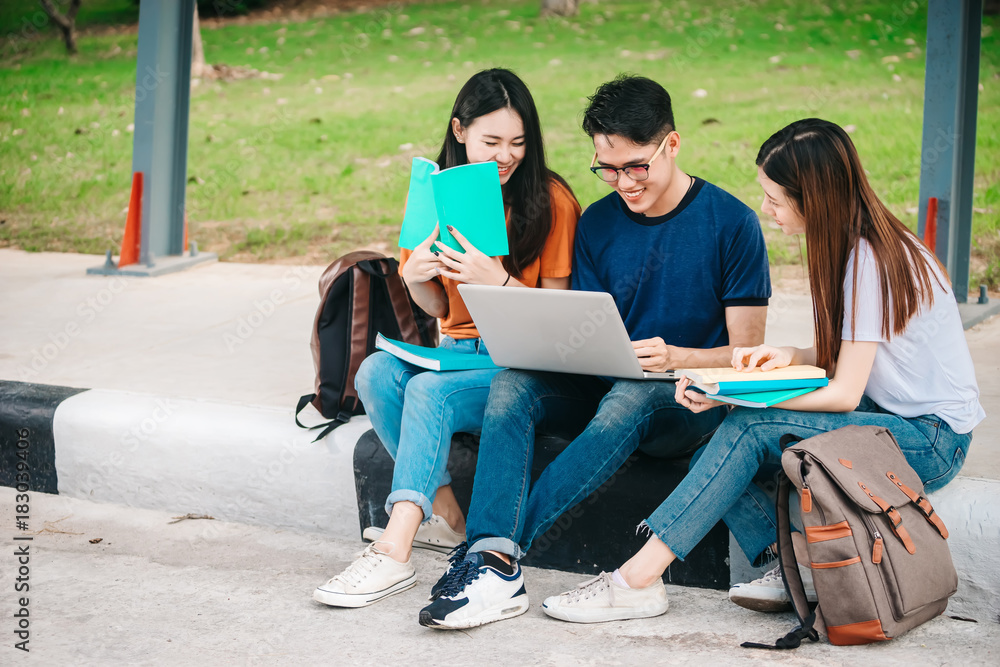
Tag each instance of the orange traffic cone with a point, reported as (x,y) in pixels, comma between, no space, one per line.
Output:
(930,228)
(133,224)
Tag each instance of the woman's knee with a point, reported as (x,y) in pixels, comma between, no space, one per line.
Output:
(375,371)
(426,386)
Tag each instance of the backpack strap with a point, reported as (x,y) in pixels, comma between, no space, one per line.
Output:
(360,302)
(342,418)
(303,402)
(388,269)
(922,504)
(790,574)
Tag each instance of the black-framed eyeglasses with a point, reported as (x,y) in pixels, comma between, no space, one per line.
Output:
(637,172)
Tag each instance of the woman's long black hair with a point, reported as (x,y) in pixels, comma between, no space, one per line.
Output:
(526,194)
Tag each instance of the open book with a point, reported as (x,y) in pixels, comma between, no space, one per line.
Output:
(728,382)
(467,197)
(433,358)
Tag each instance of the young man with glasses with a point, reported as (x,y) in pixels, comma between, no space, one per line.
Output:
(686,264)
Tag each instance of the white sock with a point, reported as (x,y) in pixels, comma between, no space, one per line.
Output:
(617,577)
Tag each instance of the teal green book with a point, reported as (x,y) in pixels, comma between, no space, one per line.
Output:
(759,399)
(467,197)
(433,358)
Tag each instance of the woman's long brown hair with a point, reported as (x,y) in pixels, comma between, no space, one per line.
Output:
(817,165)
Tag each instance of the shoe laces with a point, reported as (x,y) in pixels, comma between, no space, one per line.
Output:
(772,575)
(458,576)
(591,589)
(457,554)
(364,564)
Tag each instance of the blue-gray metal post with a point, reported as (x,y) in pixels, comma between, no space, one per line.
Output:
(948,153)
(162,92)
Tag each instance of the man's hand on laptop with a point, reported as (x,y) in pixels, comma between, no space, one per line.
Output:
(654,355)
(472,266)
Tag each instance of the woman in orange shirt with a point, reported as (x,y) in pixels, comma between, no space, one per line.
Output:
(416,412)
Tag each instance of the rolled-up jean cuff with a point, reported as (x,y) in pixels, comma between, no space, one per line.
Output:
(644,528)
(500,545)
(415,497)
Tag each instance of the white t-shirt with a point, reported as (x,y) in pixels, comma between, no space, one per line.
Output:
(926,370)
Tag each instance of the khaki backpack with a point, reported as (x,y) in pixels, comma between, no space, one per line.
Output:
(878,551)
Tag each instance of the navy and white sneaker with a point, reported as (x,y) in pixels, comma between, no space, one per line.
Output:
(455,556)
(476,591)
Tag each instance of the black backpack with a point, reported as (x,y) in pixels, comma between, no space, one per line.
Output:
(361,295)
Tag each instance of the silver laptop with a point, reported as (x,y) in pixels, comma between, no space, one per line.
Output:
(566,331)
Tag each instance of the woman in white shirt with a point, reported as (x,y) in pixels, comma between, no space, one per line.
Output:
(888,332)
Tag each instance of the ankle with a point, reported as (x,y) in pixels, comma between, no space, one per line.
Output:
(397,552)
(455,520)
(504,557)
(637,578)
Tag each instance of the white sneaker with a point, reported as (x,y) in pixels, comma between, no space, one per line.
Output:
(768,592)
(434,534)
(473,593)
(601,599)
(373,576)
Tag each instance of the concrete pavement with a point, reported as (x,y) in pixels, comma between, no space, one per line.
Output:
(202,592)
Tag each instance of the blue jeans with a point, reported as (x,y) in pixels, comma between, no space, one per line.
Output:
(415,413)
(720,482)
(611,420)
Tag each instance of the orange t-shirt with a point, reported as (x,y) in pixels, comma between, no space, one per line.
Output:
(555,261)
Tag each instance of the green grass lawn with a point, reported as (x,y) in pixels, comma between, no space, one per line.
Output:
(317,162)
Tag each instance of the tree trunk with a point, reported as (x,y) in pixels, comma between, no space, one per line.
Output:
(560,7)
(67,23)
(198,66)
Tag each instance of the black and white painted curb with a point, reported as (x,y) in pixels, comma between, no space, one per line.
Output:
(251,464)
(236,462)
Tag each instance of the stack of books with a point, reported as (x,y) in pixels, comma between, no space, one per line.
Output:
(756,388)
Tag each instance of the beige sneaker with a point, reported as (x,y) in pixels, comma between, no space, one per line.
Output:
(601,599)
(768,593)
(434,534)
(373,576)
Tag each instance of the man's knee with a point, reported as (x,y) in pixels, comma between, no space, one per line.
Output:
(510,386)
(633,402)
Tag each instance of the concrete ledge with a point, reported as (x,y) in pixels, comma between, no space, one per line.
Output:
(251,464)
(242,463)
(970,508)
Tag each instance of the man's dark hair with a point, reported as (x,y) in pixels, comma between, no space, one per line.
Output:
(630,106)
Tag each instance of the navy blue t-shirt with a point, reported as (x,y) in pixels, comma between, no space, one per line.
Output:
(673,275)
